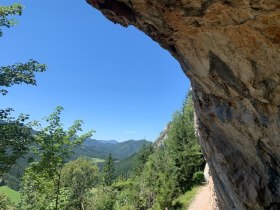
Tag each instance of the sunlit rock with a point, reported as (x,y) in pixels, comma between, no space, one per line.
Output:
(230,50)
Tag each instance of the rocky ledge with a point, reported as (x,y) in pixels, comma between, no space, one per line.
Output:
(230,50)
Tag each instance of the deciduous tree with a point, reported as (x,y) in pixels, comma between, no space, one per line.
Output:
(54,146)
(14,137)
(79,177)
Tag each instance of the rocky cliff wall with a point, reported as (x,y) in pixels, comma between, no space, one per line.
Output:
(230,50)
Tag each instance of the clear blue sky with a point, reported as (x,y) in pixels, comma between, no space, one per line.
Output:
(117,80)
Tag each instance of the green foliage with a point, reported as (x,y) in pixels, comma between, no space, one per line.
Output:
(123,193)
(183,147)
(125,167)
(102,198)
(159,175)
(162,174)
(5,12)
(101,149)
(12,178)
(37,191)
(19,73)
(184,201)
(97,160)
(79,176)
(135,192)
(141,158)
(108,171)
(14,137)
(5,202)
(54,145)
(154,188)
(13,195)
(122,184)
(40,192)
(160,180)
(198,178)
(43,178)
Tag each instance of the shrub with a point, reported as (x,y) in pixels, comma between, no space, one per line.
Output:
(198,178)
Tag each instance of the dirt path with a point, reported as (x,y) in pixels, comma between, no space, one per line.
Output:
(205,199)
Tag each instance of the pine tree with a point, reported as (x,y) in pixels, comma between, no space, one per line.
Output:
(141,158)
(183,146)
(108,171)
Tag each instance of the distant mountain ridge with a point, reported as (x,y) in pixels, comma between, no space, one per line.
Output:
(102,141)
(102,148)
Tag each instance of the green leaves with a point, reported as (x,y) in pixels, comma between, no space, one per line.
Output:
(14,136)
(5,11)
(53,146)
(5,202)
(102,199)
(162,174)
(79,177)
(19,73)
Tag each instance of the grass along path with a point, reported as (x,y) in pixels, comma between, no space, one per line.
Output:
(184,201)
(12,194)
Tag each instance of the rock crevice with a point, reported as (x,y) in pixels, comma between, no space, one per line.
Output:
(230,50)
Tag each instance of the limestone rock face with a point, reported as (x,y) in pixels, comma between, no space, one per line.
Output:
(230,50)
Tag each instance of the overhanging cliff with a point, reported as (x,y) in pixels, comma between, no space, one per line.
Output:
(230,50)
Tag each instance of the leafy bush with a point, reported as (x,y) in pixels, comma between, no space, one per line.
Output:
(198,177)
(102,198)
(5,202)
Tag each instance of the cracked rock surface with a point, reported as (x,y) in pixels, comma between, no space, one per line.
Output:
(230,50)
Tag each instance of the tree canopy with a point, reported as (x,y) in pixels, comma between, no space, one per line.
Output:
(15,137)
(53,146)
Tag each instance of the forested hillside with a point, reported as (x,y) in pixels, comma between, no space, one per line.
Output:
(153,178)
(101,148)
(97,150)
(162,174)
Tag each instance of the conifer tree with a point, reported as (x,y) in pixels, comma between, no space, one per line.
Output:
(183,146)
(108,171)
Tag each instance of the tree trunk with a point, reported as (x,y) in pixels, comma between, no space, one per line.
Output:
(58,190)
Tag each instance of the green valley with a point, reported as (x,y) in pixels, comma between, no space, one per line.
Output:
(96,150)
(12,194)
